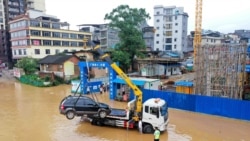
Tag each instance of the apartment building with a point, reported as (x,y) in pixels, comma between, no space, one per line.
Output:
(36,4)
(210,37)
(37,35)
(9,9)
(3,47)
(148,36)
(107,36)
(171,28)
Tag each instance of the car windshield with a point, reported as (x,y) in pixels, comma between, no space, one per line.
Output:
(164,109)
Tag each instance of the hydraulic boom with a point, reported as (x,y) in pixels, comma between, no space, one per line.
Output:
(136,90)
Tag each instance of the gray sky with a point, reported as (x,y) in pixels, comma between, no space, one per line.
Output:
(219,15)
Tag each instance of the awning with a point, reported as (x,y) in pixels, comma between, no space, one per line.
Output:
(136,82)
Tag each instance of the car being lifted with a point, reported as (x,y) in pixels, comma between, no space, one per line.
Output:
(72,106)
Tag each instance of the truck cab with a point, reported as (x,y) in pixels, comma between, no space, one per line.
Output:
(154,114)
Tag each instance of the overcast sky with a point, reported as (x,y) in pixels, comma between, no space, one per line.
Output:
(219,15)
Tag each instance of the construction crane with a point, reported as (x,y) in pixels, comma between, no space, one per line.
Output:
(198,29)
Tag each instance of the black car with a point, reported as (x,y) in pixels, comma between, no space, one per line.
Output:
(72,106)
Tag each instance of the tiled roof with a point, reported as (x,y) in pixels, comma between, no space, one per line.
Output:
(54,59)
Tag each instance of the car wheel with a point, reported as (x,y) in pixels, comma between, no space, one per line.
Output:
(70,114)
(102,113)
(148,129)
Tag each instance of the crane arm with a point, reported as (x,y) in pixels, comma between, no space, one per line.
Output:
(136,90)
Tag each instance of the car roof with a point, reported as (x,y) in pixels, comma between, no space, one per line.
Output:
(80,97)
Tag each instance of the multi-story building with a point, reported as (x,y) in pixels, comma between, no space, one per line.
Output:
(148,36)
(107,36)
(171,28)
(37,35)
(3,46)
(35,4)
(9,9)
(94,29)
(210,37)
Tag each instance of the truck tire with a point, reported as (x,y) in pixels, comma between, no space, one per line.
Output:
(148,129)
(70,114)
(102,113)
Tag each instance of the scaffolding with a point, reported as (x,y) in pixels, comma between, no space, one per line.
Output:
(220,70)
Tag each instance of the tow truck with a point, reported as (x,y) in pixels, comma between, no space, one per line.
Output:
(145,116)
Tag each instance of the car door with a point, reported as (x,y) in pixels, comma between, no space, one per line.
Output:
(80,107)
(91,106)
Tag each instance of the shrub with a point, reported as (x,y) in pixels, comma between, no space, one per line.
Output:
(47,78)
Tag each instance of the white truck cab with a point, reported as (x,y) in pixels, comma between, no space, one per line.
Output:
(155,113)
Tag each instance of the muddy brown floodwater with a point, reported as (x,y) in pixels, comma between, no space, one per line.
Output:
(29,113)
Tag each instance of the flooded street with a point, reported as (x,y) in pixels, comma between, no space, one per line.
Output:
(29,113)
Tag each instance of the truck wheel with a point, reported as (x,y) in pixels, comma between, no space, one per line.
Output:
(70,114)
(102,113)
(148,129)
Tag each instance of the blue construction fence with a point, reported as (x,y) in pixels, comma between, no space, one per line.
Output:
(219,106)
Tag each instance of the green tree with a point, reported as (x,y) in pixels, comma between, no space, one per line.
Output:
(27,64)
(128,20)
(122,58)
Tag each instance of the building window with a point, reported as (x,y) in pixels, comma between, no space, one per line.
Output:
(157,20)
(168,33)
(47,51)
(73,44)
(57,51)
(35,32)
(37,51)
(176,31)
(14,52)
(176,24)
(169,19)
(24,52)
(46,34)
(168,47)
(56,26)
(56,43)
(45,24)
(80,36)
(73,36)
(157,42)
(175,39)
(46,42)
(168,26)
(56,34)
(157,12)
(19,52)
(65,35)
(80,44)
(175,17)
(34,23)
(65,43)
(174,46)
(157,35)
(169,11)
(36,42)
(168,40)
(157,27)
